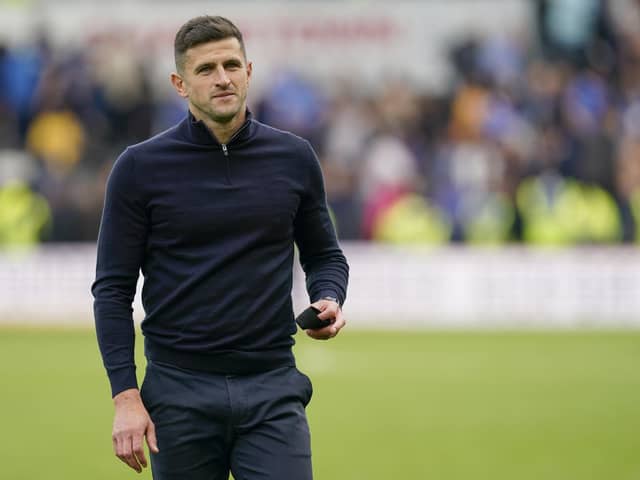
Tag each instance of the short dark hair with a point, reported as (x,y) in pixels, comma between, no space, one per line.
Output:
(204,29)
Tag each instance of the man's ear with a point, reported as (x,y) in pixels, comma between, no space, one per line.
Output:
(178,84)
(249,71)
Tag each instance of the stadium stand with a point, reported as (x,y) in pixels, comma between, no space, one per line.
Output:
(535,140)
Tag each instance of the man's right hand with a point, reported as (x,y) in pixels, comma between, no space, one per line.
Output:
(130,423)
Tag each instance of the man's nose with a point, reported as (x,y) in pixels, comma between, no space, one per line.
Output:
(221,77)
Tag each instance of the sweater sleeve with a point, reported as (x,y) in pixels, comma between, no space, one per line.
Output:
(121,243)
(324,264)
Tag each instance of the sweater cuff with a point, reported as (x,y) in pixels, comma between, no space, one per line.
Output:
(122,379)
(332,294)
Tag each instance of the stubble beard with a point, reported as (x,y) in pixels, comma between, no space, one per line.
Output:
(222,117)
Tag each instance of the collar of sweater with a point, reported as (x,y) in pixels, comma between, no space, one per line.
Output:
(197,132)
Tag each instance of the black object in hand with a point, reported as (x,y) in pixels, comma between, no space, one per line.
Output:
(308,319)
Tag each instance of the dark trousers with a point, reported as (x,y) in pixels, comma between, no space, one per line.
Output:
(209,424)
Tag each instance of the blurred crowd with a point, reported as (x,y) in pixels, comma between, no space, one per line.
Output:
(536,138)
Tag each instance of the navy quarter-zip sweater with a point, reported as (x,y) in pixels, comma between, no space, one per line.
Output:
(212,228)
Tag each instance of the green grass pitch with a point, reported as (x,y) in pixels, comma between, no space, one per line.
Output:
(387,405)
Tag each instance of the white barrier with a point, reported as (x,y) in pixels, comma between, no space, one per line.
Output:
(508,287)
(390,287)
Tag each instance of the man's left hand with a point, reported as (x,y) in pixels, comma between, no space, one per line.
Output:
(329,310)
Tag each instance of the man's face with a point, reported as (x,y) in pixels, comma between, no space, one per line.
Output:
(215,80)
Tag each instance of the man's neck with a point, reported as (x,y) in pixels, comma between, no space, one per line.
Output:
(222,131)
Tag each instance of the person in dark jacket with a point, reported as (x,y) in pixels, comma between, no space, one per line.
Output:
(210,211)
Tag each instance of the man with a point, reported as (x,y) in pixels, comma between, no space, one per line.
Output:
(209,211)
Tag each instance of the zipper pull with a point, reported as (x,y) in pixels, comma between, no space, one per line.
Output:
(224,150)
